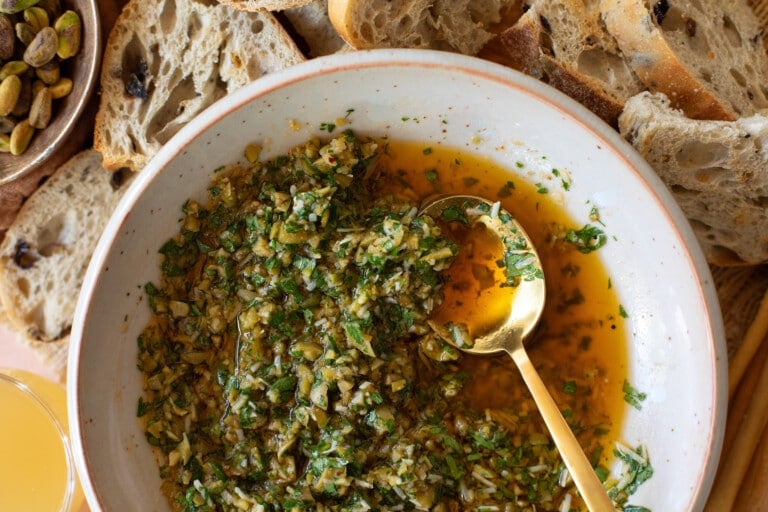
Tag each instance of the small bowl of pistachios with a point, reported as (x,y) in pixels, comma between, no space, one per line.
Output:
(49,59)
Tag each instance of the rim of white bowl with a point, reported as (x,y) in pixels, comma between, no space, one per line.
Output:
(458,63)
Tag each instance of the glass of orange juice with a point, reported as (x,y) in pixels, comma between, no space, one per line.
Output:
(36,467)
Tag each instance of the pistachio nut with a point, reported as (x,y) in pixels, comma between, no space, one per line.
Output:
(7,37)
(6,124)
(49,73)
(52,7)
(25,98)
(61,88)
(37,17)
(41,109)
(69,29)
(14,6)
(36,86)
(5,143)
(13,67)
(21,136)
(42,48)
(24,33)
(10,89)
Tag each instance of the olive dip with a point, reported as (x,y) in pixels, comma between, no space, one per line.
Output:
(289,364)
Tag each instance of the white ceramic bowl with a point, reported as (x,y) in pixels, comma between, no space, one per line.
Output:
(676,351)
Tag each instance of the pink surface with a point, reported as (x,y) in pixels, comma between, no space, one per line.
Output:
(14,354)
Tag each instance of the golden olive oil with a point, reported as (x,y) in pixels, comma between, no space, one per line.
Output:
(580,347)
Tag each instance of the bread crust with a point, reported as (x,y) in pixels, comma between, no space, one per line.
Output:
(658,65)
(339,14)
(556,41)
(523,43)
(310,24)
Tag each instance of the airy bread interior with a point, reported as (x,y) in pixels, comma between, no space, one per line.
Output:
(452,25)
(167,60)
(564,43)
(706,56)
(46,251)
(715,169)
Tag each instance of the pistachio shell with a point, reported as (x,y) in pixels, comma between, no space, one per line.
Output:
(10,89)
(37,17)
(41,109)
(14,6)
(7,37)
(42,48)
(13,67)
(20,137)
(61,88)
(69,28)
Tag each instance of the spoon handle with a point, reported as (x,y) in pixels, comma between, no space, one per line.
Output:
(590,487)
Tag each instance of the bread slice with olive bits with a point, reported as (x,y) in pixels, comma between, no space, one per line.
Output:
(47,248)
(167,60)
(706,56)
(46,251)
(715,169)
(563,43)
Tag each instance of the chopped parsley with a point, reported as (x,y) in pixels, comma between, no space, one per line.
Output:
(506,190)
(588,239)
(632,396)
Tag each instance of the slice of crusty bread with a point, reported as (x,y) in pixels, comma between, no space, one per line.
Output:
(563,43)
(707,56)
(268,5)
(454,25)
(311,25)
(47,248)
(167,60)
(717,171)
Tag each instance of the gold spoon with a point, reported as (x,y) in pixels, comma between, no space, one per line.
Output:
(524,273)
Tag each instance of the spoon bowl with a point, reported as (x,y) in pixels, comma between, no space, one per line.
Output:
(523,271)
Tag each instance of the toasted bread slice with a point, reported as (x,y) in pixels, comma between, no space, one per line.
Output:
(462,26)
(47,248)
(563,43)
(707,57)
(715,169)
(167,60)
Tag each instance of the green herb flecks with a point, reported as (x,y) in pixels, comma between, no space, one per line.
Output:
(588,239)
(632,396)
(506,190)
(636,470)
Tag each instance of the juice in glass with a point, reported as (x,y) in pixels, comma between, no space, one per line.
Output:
(36,467)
